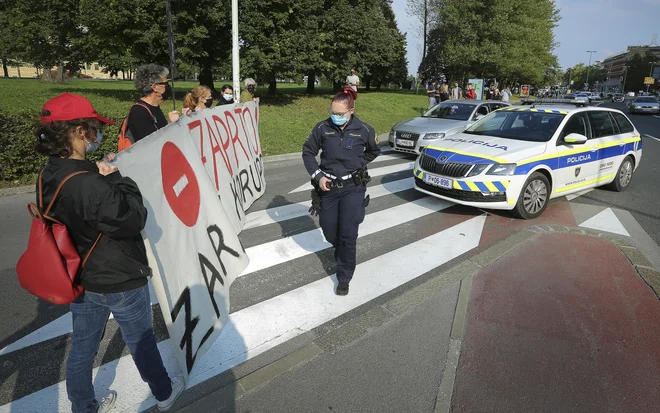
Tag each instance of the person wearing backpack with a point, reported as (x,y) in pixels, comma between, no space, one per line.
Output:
(145,116)
(103,213)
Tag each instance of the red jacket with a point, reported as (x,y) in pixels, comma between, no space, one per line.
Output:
(470,94)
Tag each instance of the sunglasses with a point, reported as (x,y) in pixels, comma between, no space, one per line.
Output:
(165,83)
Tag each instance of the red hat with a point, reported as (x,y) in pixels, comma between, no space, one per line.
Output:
(68,106)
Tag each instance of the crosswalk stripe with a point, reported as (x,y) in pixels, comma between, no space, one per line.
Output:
(372,172)
(289,248)
(286,212)
(279,319)
(391,157)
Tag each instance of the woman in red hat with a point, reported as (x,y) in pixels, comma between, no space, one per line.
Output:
(100,202)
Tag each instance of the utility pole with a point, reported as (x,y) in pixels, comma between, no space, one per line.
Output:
(589,67)
(625,74)
(650,75)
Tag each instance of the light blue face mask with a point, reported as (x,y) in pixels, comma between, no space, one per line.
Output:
(228,97)
(92,146)
(338,120)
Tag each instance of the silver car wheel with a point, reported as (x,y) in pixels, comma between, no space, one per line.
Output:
(625,174)
(535,196)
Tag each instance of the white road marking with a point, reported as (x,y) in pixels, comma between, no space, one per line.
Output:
(578,194)
(278,319)
(289,248)
(656,116)
(391,157)
(606,221)
(180,185)
(283,213)
(652,137)
(372,172)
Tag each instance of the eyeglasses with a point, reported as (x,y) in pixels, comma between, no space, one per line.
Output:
(165,83)
(338,113)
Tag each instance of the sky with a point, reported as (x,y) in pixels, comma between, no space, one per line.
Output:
(606,26)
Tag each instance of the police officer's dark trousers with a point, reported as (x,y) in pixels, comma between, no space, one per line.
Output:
(342,211)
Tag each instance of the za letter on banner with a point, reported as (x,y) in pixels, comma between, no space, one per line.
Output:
(227,139)
(195,252)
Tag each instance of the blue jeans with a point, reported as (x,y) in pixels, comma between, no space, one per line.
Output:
(132,310)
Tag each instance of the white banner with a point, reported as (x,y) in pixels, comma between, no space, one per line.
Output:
(197,176)
(227,139)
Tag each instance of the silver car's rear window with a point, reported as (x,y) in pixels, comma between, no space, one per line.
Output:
(520,125)
(456,111)
(648,99)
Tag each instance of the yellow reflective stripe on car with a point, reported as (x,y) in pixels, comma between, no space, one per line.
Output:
(491,187)
(593,181)
(476,155)
(578,150)
(472,186)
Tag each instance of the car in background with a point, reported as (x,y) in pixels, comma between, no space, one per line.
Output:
(519,158)
(644,104)
(445,119)
(617,97)
(578,98)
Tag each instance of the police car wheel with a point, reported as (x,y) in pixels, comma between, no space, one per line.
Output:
(623,176)
(534,197)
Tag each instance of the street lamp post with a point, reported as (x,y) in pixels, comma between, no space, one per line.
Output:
(625,74)
(589,67)
(650,75)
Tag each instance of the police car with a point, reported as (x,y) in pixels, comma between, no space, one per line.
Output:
(518,158)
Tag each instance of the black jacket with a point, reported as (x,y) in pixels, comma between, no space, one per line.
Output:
(141,124)
(222,101)
(90,204)
(342,151)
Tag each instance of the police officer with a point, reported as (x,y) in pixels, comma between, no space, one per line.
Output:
(347,144)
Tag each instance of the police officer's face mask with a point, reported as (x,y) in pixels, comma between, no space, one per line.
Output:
(340,119)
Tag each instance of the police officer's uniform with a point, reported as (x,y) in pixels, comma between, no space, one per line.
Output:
(344,156)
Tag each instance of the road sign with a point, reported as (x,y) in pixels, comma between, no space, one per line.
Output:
(649,80)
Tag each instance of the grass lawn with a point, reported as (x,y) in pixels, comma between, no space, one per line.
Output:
(286,119)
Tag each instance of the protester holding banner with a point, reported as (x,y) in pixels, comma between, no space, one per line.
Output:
(347,144)
(199,98)
(227,97)
(145,116)
(103,212)
(247,95)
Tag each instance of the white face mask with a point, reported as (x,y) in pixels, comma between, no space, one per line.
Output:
(228,97)
(92,146)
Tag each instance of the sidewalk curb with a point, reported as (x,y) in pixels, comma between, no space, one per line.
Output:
(28,189)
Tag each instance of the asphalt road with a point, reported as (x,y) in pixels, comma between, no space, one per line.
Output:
(642,198)
(398,218)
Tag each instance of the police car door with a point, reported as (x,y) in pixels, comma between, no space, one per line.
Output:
(578,163)
(614,147)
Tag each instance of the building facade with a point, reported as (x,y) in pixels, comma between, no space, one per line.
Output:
(615,66)
(89,71)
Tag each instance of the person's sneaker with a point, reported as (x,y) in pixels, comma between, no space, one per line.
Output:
(108,402)
(177,388)
(342,289)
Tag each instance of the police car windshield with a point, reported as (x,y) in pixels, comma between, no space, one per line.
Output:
(519,125)
(456,111)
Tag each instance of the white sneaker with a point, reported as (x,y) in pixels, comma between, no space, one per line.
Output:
(108,402)
(177,388)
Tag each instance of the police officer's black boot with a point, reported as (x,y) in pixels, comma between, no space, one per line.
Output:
(342,289)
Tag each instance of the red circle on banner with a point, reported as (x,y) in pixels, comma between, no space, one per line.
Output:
(180,184)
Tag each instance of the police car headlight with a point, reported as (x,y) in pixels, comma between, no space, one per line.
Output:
(434,136)
(502,169)
(477,169)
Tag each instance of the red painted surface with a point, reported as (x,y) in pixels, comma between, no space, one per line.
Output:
(175,166)
(561,324)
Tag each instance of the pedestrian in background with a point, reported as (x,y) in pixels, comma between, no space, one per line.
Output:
(199,98)
(471,94)
(444,92)
(456,92)
(506,94)
(353,81)
(227,97)
(145,116)
(103,212)
(347,145)
(248,94)
(431,91)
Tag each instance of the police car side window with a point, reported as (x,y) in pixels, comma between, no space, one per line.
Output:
(624,124)
(577,123)
(601,124)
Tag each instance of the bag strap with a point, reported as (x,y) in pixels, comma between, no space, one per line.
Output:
(90,251)
(57,191)
(124,126)
(148,110)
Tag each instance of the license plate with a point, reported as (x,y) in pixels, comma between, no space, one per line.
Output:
(403,142)
(438,181)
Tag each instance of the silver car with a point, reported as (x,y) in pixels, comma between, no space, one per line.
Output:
(444,119)
(645,104)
